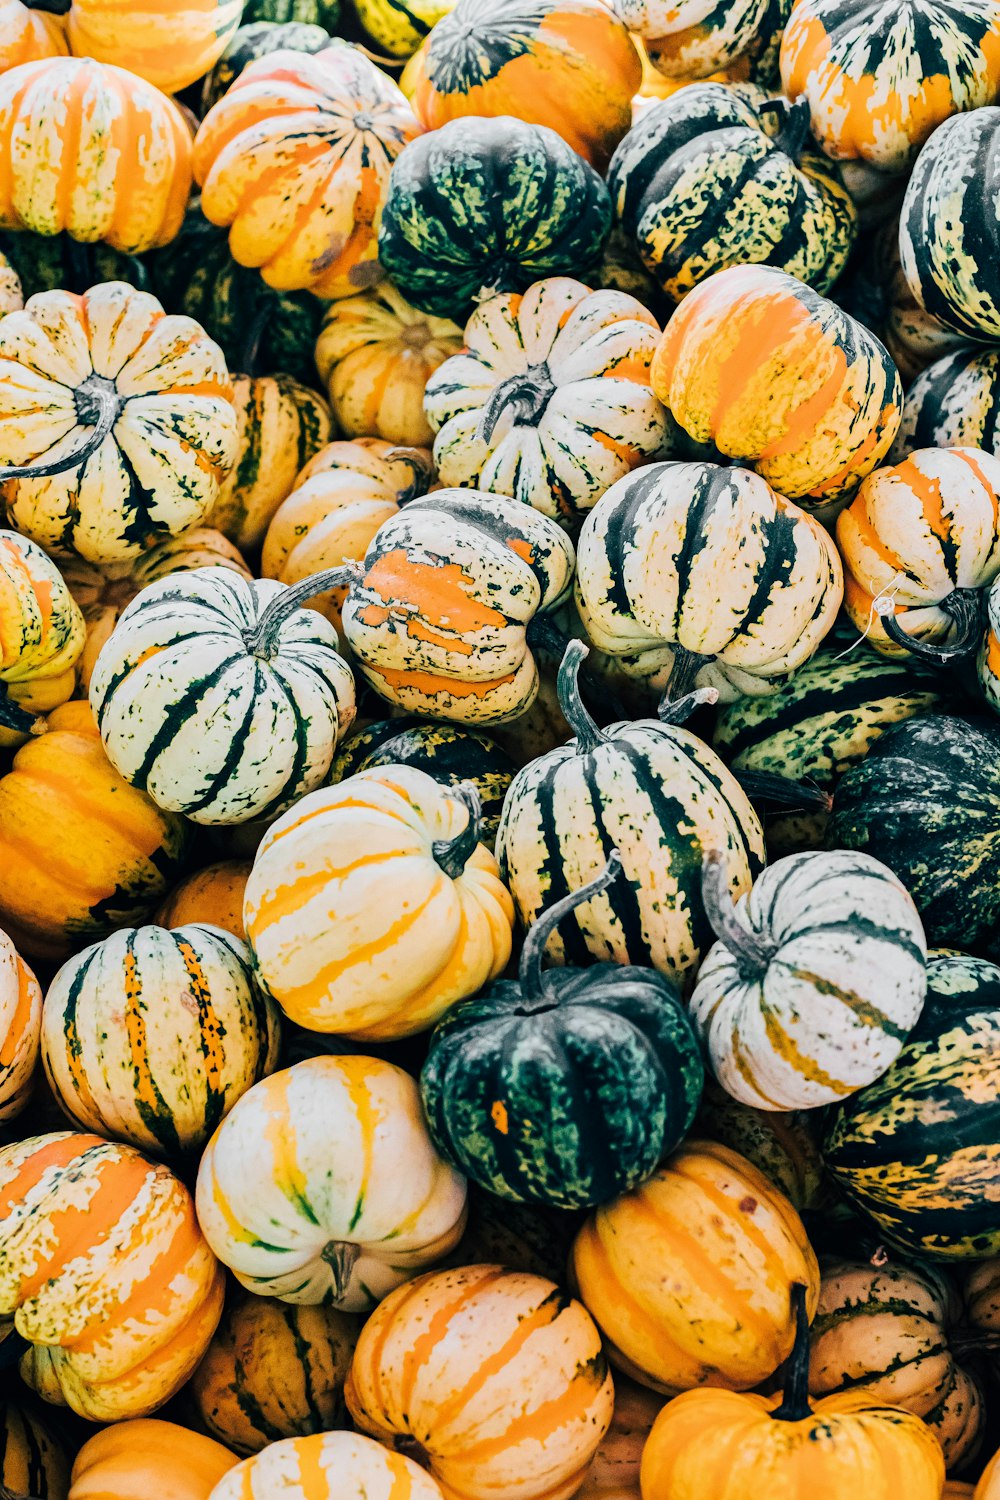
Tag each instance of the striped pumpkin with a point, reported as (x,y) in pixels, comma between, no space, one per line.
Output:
(20,1031)
(549,402)
(146,1457)
(81,852)
(399,26)
(258,39)
(295,159)
(28,34)
(614,1473)
(221,698)
(701,183)
(310,1468)
(649,561)
(32,1460)
(88,1227)
(274,1370)
(918,1150)
(955,403)
(169,47)
(119,417)
(375,354)
(498,1375)
(347,1197)
(151,1036)
(212,895)
(689,39)
(780,1143)
(734,1245)
(372,907)
(42,634)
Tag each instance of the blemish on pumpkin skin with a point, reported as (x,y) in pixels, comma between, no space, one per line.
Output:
(748,1205)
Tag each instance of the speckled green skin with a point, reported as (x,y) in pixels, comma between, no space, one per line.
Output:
(258,40)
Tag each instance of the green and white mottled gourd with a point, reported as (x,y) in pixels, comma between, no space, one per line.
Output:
(816,980)
(919,1151)
(152,1035)
(221,697)
(325,13)
(656,793)
(258,39)
(564,1088)
(701,183)
(954,403)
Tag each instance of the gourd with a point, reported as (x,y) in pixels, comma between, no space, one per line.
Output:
(116,418)
(987,1488)
(167,48)
(213,894)
(399,26)
(498,1375)
(258,39)
(954,403)
(520,1236)
(783,1144)
(295,159)
(614,1473)
(88,1228)
(146,1457)
(32,1460)
(341,1461)
(348,1197)
(325,13)
(222,698)
(372,907)
(549,402)
(42,635)
(690,40)
(20,1029)
(29,33)
(605,1056)
(735,1247)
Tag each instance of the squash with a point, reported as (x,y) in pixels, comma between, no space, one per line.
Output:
(118,419)
(884,1333)
(878,81)
(212,895)
(32,1460)
(347,1198)
(20,1031)
(130,174)
(105,1272)
(258,39)
(549,402)
(918,1149)
(701,183)
(274,1370)
(81,852)
(566,1088)
(720,1445)
(151,1036)
(498,1376)
(734,1246)
(168,48)
(148,1457)
(689,39)
(29,33)
(518,1236)
(955,403)
(375,354)
(399,26)
(614,1473)
(372,907)
(988,1487)
(325,13)
(221,698)
(309,1468)
(445,248)
(650,557)
(295,159)
(42,634)
(782,1144)
(781,380)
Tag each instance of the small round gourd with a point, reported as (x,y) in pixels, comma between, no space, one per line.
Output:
(144,1456)
(339,1461)
(42,635)
(212,895)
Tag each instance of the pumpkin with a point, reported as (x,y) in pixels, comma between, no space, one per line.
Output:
(348,1197)
(726,1445)
(274,1370)
(105,1272)
(81,852)
(549,402)
(258,39)
(325,13)
(145,1457)
(32,1461)
(42,634)
(689,39)
(614,1473)
(220,697)
(375,354)
(884,1333)
(780,1143)
(651,555)
(917,1149)
(20,1029)
(129,175)
(879,80)
(497,1374)
(29,33)
(168,48)
(734,1246)
(337,1461)
(212,895)
(700,183)
(372,907)
(781,380)
(989,1484)
(565,1088)
(954,403)
(118,418)
(445,247)
(520,1236)
(295,159)
(399,26)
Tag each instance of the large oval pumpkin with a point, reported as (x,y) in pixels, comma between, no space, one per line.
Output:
(147,1456)
(168,47)
(329,1463)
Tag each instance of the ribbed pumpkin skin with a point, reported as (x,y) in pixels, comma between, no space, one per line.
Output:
(142,1457)
(172,441)
(918,1149)
(258,39)
(274,1371)
(27,35)
(708,146)
(442,246)
(130,176)
(42,631)
(955,403)
(20,1029)
(169,48)
(399,26)
(780,379)
(309,1467)
(213,895)
(88,1226)
(689,39)
(780,1143)
(341,1158)
(734,1245)
(578,414)
(283,161)
(81,852)
(614,1473)
(501,1375)
(31,1460)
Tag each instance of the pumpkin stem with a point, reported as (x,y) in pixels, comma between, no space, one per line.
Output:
(535,986)
(687,665)
(250,352)
(795,1396)
(782,791)
(585,730)
(794,124)
(341,1256)
(422,468)
(964,607)
(529,393)
(262,639)
(679,711)
(454,854)
(751,950)
(16,718)
(966,1341)
(97,405)
(53,7)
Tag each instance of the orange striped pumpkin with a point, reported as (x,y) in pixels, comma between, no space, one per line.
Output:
(20,1029)
(170,44)
(28,34)
(147,1457)
(213,895)
(330,1463)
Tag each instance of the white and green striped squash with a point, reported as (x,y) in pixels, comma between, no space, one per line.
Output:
(954,403)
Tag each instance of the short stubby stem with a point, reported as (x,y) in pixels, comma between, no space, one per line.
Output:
(341,1256)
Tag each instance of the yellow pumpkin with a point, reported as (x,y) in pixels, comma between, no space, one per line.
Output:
(32,1460)
(169,45)
(328,1464)
(213,895)
(28,34)
(779,1143)
(20,1029)
(42,635)
(988,1487)
(614,1473)
(146,1457)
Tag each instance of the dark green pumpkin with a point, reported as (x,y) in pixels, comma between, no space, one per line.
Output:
(761,57)
(259,39)
(47,263)
(919,1150)
(564,1088)
(954,403)
(491,204)
(325,13)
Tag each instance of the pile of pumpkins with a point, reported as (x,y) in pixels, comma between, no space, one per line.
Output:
(500,750)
